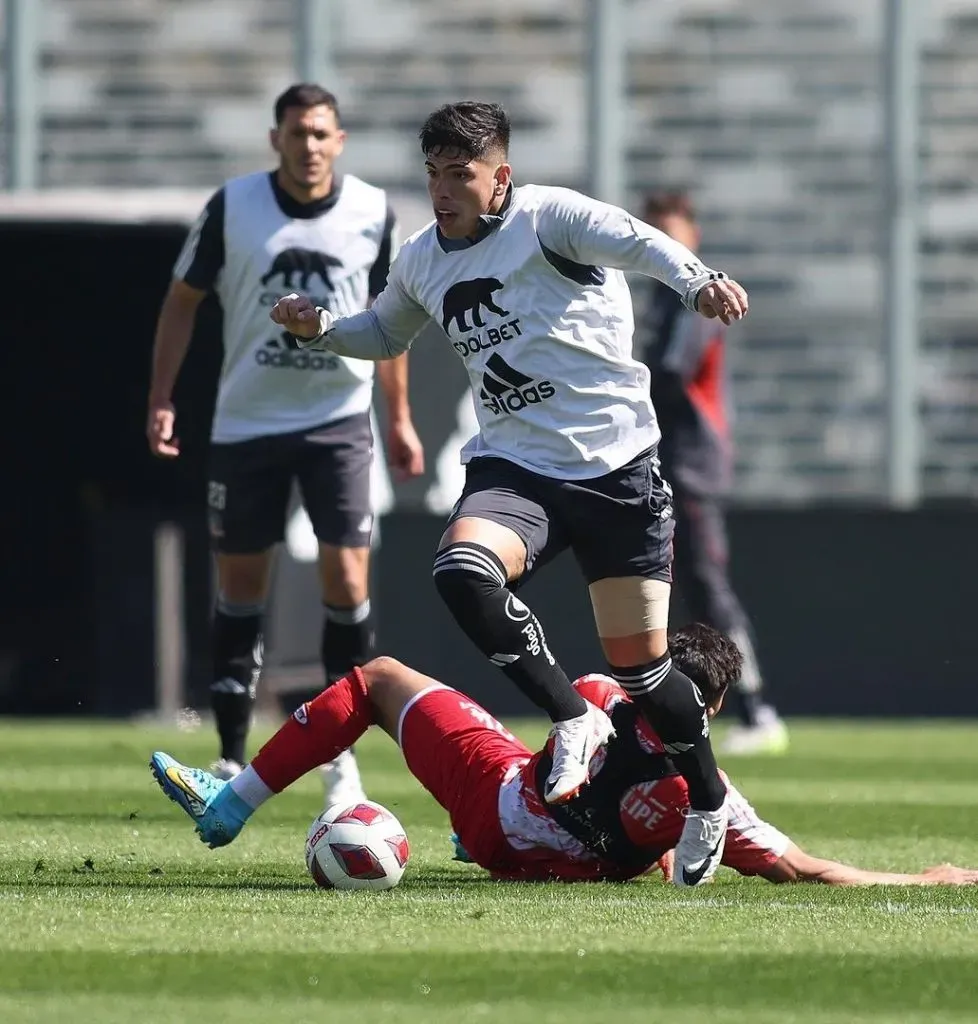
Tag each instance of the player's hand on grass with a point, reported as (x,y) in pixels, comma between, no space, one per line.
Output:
(405,454)
(297,314)
(724,300)
(666,864)
(948,874)
(159,430)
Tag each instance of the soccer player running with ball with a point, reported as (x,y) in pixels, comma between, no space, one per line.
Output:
(622,825)
(283,415)
(528,284)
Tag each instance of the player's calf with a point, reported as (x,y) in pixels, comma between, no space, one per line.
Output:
(632,613)
(677,711)
(237,655)
(346,643)
(679,697)
(471,580)
(347,639)
(315,733)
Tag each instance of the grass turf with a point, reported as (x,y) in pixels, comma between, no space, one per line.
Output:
(111,910)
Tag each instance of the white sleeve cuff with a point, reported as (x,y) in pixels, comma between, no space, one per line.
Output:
(318,343)
(697,284)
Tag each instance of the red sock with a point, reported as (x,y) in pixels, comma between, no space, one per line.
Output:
(318,731)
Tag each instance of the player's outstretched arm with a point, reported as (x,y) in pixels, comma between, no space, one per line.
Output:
(797,866)
(384,331)
(597,234)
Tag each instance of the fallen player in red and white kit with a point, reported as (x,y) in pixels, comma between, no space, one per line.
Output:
(624,822)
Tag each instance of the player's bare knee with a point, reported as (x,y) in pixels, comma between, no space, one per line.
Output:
(344,574)
(390,685)
(243,579)
(380,673)
(505,543)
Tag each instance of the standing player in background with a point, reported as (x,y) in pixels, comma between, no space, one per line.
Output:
(281,415)
(527,284)
(689,390)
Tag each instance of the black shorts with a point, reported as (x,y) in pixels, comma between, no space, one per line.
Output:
(250,486)
(619,524)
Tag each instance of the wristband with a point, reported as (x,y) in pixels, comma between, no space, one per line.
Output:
(697,284)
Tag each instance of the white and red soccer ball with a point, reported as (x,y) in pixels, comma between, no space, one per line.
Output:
(362,846)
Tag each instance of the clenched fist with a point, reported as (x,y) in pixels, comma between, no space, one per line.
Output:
(159,429)
(298,315)
(724,299)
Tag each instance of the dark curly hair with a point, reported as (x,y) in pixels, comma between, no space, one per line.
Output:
(711,660)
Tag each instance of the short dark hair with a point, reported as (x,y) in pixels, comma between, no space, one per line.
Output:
(472,129)
(666,202)
(305,95)
(711,660)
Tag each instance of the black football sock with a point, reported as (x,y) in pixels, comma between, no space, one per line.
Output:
(237,653)
(675,710)
(347,642)
(746,704)
(472,582)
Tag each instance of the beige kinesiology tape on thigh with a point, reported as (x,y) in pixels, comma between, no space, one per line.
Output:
(628,605)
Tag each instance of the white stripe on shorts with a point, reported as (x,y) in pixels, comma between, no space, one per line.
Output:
(414,700)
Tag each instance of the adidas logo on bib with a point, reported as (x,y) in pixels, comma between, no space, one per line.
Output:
(507,390)
(280,354)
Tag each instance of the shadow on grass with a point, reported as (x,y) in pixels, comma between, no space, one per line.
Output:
(674,982)
(154,879)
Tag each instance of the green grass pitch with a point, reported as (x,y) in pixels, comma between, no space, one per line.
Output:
(112,911)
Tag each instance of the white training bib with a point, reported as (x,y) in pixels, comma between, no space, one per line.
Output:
(252,245)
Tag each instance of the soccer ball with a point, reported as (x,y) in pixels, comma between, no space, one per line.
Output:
(362,846)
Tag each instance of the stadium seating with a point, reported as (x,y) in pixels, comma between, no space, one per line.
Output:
(770,110)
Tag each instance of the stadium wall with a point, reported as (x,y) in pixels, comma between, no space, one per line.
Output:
(858,612)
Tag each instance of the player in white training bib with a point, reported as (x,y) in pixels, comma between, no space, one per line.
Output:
(284,416)
(527,282)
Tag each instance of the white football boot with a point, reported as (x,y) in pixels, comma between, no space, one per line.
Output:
(768,736)
(700,847)
(575,742)
(341,781)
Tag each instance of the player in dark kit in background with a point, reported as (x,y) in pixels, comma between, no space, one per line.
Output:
(282,415)
(528,284)
(686,355)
